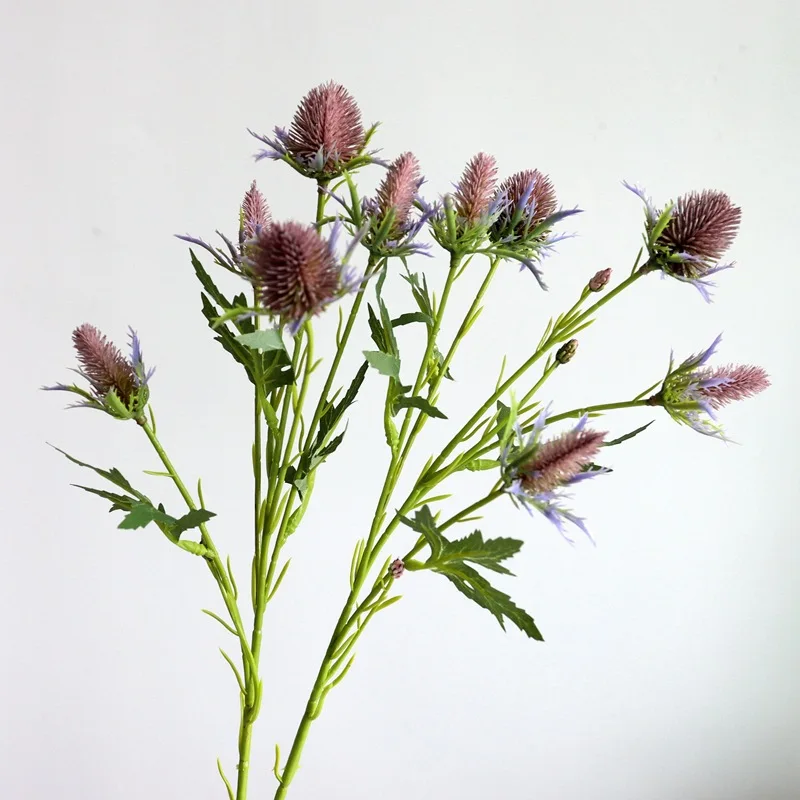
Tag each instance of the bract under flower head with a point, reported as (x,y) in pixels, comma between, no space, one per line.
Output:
(687,238)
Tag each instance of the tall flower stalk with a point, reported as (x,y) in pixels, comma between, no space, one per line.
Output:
(297,271)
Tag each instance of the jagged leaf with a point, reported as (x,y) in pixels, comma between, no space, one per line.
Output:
(628,435)
(486,553)
(425,524)
(385,363)
(143,514)
(193,519)
(417,402)
(267,339)
(413,316)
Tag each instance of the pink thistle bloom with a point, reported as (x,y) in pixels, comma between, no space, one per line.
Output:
(732,383)
(528,195)
(295,271)
(326,130)
(398,190)
(476,189)
(255,213)
(557,462)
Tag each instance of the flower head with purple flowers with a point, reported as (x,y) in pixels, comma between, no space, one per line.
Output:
(693,392)
(536,473)
(118,385)
(687,239)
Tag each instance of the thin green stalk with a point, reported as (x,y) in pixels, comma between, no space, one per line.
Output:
(579,412)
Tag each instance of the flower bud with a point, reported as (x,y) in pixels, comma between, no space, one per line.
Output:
(567,351)
(397,568)
(600,280)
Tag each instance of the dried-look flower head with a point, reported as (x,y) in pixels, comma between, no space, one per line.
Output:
(692,391)
(103,365)
(600,280)
(398,189)
(567,351)
(295,272)
(530,195)
(703,225)
(397,568)
(476,189)
(558,461)
(727,384)
(255,213)
(326,128)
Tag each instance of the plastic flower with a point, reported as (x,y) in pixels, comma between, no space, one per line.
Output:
(693,392)
(295,272)
(255,214)
(391,221)
(536,472)
(476,191)
(326,135)
(687,239)
(600,280)
(118,385)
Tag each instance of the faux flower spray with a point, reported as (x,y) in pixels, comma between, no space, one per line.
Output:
(529,453)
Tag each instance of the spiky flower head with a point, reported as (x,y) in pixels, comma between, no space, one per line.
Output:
(529,198)
(692,392)
(600,280)
(688,238)
(118,385)
(396,215)
(536,472)
(255,214)
(326,135)
(295,272)
(475,191)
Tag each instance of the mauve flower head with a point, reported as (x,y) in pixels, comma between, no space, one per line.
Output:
(296,273)
(255,214)
(118,385)
(397,192)
(476,190)
(600,280)
(536,473)
(325,137)
(528,198)
(693,391)
(688,238)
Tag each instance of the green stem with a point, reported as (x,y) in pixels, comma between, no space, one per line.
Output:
(579,412)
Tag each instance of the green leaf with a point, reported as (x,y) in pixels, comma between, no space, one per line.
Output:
(408,319)
(143,514)
(417,402)
(267,339)
(208,284)
(121,502)
(628,435)
(425,524)
(474,586)
(113,475)
(193,519)
(485,553)
(385,363)
(376,330)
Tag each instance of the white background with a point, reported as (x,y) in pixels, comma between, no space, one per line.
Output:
(670,666)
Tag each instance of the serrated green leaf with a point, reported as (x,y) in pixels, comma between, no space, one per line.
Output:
(417,402)
(193,519)
(425,524)
(143,514)
(376,330)
(121,502)
(207,283)
(113,475)
(411,317)
(385,363)
(486,553)
(474,586)
(267,339)
(628,435)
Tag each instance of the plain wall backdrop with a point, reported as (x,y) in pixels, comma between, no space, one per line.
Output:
(671,658)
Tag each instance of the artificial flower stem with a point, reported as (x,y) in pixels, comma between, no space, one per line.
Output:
(579,412)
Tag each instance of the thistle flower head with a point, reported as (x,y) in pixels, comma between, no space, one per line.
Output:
(397,192)
(693,392)
(295,272)
(326,131)
(528,198)
(118,385)
(536,473)
(255,214)
(687,239)
(476,190)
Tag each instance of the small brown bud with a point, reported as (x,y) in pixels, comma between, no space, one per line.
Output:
(397,568)
(567,351)
(599,281)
